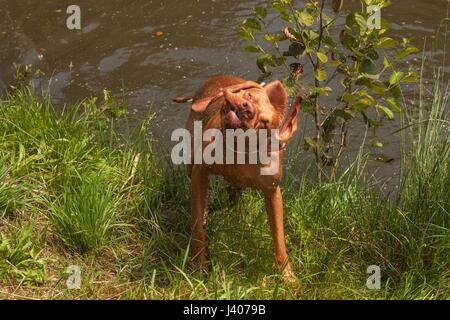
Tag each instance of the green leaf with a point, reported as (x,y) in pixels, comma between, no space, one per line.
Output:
(361,22)
(321,74)
(360,107)
(268,59)
(281,8)
(329,41)
(395,91)
(385,111)
(252,23)
(386,63)
(261,12)
(322,57)
(396,77)
(305,18)
(308,106)
(22,152)
(252,49)
(296,49)
(366,102)
(276,37)
(394,106)
(337,5)
(411,77)
(261,62)
(363,80)
(368,66)
(310,35)
(246,34)
(325,91)
(347,40)
(378,89)
(372,54)
(385,42)
(406,52)
(349,98)
(335,63)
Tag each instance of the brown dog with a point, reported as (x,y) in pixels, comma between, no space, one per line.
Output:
(231,103)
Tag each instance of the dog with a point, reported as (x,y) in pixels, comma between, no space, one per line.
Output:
(226,102)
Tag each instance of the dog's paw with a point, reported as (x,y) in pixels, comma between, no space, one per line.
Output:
(288,275)
(286,272)
(202,266)
(201,261)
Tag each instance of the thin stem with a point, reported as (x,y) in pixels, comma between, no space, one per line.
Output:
(344,133)
(299,27)
(332,76)
(321,25)
(317,120)
(277,48)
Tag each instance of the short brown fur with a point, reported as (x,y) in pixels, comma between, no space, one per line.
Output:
(268,111)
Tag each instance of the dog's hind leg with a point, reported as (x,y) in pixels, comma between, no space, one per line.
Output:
(198,247)
(274,207)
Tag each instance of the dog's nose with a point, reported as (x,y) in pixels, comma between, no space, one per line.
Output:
(246,111)
(243,108)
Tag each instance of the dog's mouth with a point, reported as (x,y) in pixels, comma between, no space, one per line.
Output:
(238,117)
(233,121)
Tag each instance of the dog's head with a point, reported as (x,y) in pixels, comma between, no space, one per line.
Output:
(260,108)
(252,106)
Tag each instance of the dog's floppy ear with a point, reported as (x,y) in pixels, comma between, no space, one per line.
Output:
(201,104)
(277,95)
(243,86)
(290,122)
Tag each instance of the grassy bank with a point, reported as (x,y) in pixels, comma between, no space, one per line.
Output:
(74,193)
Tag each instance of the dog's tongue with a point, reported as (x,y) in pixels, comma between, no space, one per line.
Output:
(233,120)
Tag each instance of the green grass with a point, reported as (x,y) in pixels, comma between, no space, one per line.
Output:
(79,194)
(85,212)
(10,193)
(18,260)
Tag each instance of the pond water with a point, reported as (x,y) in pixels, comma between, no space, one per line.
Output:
(117,49)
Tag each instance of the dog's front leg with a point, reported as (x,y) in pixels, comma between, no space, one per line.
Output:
(199,191)
(274,207)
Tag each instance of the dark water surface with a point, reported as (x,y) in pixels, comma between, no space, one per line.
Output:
(117,49)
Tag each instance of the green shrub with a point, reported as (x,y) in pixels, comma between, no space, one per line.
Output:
(350,66)
(18,260)
(85,212)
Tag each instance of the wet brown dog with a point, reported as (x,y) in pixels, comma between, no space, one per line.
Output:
(231,103)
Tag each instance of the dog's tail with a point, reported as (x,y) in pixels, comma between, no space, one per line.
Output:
(182,99)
